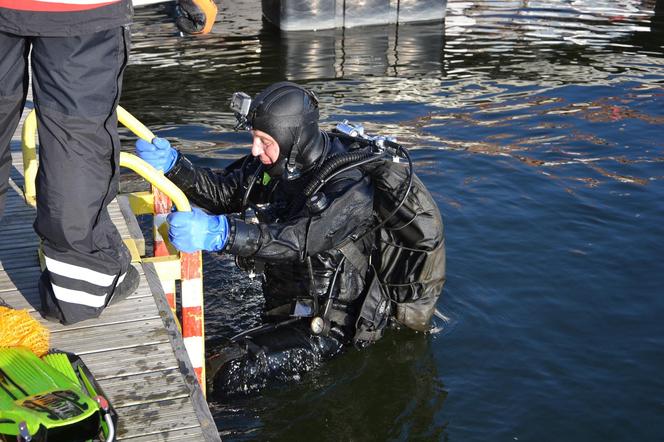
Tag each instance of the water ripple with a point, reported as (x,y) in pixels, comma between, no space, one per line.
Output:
(537,126)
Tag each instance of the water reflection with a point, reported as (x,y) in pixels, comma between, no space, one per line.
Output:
(411,50)
(255,60)
(434,66)
(563,43)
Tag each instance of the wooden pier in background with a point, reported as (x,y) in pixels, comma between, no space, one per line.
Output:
(134,349)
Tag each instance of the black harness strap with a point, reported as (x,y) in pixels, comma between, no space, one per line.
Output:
(353,254)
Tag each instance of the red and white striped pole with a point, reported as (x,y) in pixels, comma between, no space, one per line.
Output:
(191,277)
(162,207)
(193,328)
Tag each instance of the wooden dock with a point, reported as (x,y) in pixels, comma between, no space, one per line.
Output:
(134,348)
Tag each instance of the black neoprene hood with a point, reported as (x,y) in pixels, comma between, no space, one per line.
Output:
(289,114)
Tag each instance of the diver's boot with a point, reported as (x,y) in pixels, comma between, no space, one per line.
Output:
(126,287)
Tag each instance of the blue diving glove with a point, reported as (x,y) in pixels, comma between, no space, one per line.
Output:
(196,230)
(159,154)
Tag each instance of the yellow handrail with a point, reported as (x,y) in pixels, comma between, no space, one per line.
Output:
(157,179)
(131,123)
(130,161)
(29,147)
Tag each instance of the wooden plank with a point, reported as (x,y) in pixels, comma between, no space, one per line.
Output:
(197,396)
(15,201)
(14,238)
(189,434)
(16,146)
(18,251)
(148,387)
(21,215)
(19,279)
(18,220)
(129,310)
(17,155)
(109,337)
(15,196)
(138,360)
(16,175)
(18,226)
(10,243)
(15,190)
(26,299)
(19,261)
(153,419)
(18,211)
(20,274)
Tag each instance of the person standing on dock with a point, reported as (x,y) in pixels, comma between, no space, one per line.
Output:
(308,223)
(79,50)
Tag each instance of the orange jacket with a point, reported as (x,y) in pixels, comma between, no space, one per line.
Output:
(54,6)
(62,18)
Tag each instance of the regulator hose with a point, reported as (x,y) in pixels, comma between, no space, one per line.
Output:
(333,164)
(250,185)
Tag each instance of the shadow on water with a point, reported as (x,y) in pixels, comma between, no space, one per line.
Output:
(537,126)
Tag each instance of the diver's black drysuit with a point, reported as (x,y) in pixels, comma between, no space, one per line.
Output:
(298,244)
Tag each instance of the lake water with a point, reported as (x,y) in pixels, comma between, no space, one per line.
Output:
(539,128)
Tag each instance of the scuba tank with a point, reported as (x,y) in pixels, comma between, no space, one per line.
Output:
(407,271)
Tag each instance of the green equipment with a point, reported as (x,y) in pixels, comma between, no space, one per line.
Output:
(52,398)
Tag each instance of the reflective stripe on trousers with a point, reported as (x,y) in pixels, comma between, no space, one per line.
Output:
(71,283)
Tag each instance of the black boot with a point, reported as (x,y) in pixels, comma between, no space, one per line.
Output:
(128,286)
(49,309)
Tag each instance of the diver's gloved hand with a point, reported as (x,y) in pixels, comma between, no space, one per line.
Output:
(195,16)
(159,154)
(196,230)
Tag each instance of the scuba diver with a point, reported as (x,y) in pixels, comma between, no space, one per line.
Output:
(346,236)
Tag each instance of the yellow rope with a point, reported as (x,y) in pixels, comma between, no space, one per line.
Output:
(18,328)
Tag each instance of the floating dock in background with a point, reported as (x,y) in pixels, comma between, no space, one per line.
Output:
(306,15)
(134,349)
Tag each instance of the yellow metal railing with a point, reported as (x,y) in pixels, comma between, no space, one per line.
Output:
(171,266)
(29,147)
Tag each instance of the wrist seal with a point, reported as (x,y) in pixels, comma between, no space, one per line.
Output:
(183,172)
(244,238)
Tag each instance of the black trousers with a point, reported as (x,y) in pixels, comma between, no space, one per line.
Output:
(76,87)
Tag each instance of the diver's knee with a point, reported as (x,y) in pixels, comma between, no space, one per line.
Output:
(217,365)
